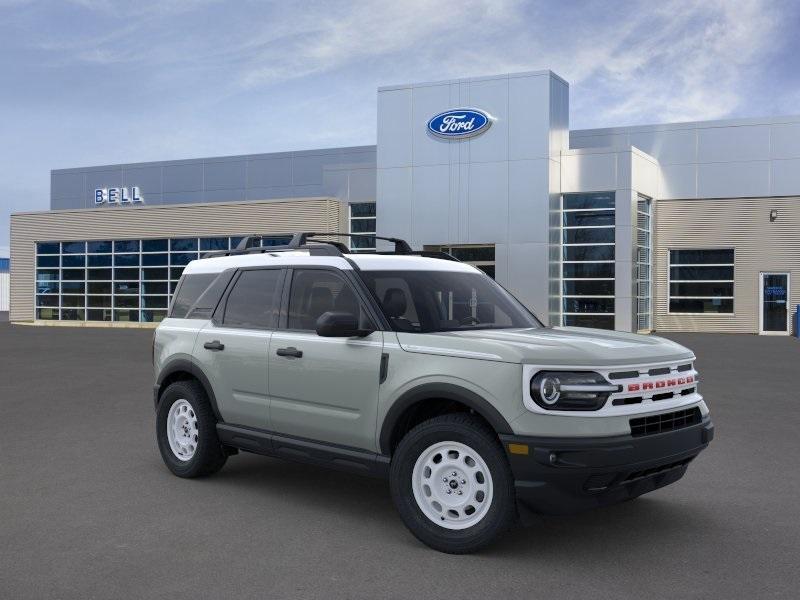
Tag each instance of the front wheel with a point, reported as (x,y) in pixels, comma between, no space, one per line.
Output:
(452,484)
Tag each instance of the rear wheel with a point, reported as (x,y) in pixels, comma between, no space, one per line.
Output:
(187,431)
(452,484)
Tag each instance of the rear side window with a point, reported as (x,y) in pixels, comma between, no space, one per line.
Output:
(192,286)
(253,301)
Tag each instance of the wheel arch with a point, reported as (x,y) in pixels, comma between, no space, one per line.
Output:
(182,370)
(413,402)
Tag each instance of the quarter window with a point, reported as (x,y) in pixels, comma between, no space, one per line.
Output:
(701,281)
(252,301)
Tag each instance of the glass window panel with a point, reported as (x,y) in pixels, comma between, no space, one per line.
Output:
(362,225)
(588,253)
(588,218)
(73,287)
(99,260)
(362,209)
(588,270)
(73,314)
(485,253)
(253,300)
(701,257)
(691,273)
(126,287)
(67,300)
(591,200)
(362,242)
(47,314)
(588,288)
(155,245)
(152,287)
(314,292)
(192,287)
(589,236)
(98,315)
(701,305)
(131,316)
(47,274)
(73,247)
(98,274)
(235,241)
(98,301)
(73,274)
(126,301)
(172,287)
(50,300)
(217,243)
(126,245)
(74,260)
(597,321)
(701,289)
(183,258)
(126,274)
(47,261)
(154,301)
(153,316)
(588,305)
(99,247)
(126,260)
(488,269)
(155,259)
(47,287)
(275,241)
(184,244)
(47,247)
(101,287)
(151,274)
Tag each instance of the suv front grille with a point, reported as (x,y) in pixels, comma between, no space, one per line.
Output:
(665,422)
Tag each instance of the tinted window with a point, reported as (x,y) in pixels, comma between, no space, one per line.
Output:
(315,292)
(431,301)
(253,299)
(191,288)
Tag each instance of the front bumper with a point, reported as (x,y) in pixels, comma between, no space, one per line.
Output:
(566,475)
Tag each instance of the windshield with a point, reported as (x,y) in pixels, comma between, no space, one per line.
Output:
(433,301)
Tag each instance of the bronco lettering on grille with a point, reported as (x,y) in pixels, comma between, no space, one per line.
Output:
(660,384)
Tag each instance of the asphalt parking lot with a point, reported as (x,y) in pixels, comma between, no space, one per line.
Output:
(87,509)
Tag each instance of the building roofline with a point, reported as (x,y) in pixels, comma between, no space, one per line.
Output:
(547,72)
(687,125)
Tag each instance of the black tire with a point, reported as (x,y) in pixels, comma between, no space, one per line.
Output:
(209,455)
(470,431)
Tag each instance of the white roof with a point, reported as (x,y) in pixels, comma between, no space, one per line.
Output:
(366,262)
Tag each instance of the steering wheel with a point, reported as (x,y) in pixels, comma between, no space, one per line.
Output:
(469,320)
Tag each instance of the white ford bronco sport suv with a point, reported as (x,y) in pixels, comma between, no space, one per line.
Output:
(422,369)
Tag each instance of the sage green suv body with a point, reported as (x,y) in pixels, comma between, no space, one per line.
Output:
(364,362)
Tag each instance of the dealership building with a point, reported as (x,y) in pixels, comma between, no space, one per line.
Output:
(673,227)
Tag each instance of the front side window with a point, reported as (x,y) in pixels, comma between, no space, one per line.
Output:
(435,301)
(317,291)
(253,300)
(701,281)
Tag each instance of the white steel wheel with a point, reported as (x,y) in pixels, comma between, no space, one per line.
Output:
(182,431)
(452,485)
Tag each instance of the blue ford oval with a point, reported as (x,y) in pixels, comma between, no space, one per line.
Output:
(460,123)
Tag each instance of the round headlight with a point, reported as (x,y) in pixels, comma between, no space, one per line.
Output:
(549,389)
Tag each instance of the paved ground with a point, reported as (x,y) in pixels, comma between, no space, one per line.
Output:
(87,510)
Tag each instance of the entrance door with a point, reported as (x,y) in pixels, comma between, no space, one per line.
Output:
(774,300)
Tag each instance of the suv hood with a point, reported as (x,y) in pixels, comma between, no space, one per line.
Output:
(568,346)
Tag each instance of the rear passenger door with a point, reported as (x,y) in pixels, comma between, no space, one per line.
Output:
(324,388)
(232,348)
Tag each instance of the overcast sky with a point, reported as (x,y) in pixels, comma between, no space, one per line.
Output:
(93,82)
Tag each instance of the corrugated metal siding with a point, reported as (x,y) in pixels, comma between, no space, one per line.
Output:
(3,291)
(309,214)
(742,224)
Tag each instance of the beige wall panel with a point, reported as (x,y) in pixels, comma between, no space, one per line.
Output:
(742,224)
(129,222)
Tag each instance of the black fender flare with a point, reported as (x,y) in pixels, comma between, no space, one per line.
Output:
(182,365)
(446,391)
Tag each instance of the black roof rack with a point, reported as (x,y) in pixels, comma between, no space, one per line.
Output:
(311,241)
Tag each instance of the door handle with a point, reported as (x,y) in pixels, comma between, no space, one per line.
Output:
(290,351)
(215,345)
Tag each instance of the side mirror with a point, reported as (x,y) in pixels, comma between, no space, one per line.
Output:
(339,324)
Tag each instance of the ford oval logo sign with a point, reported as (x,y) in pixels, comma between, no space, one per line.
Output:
(460,123)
